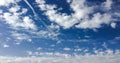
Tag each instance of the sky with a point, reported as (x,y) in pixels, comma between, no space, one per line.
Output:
(59,31)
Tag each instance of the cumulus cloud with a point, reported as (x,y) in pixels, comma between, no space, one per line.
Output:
(63,19)
(96,22)
(15,21)
(13,15)
(80,15)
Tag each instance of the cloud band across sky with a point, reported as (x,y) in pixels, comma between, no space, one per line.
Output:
(60,59)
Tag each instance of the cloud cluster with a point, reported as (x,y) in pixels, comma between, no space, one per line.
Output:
(108,56)
(61,59)
(17,18)
(95,22)
(80,18)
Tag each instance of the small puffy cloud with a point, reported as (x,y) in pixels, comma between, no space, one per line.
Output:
(28,23)
(39,48)
(69,1)
(14,9)
(66,49)
(29,52)
(113,25)
(6,46)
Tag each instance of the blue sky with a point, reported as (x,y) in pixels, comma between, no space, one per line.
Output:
(59,28)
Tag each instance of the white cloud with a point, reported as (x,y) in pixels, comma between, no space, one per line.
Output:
(63,19)
(78,49)
(7,2)
(39,48)
(108,4)
(117,38)
(20,36)
(15,19)
(30,7)
(15,16)
(29,52)
(14,9)
(95,22)
(69,1)
(46,34)
(67,49)
(80,15)
(24,11)
(117,14)
(113,25)
(105,45)
(6,46)
(1,11)
(60,59)
(16,22)
(28,23)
